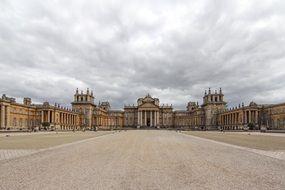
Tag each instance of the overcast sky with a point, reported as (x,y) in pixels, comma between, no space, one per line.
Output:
(123,50)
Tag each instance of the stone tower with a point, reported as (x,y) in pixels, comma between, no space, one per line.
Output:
(191,106)
(84,103)
(213,103)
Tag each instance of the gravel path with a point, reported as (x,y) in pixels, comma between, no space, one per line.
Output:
(144,160)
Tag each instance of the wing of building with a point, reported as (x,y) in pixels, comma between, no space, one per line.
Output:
(147,113)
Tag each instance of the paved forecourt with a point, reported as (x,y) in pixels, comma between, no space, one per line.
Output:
(14,145)
(144,159)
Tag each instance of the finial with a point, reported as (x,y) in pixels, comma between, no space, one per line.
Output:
(76,90)
(87,91)
(209,91)
(205,92)
(81,91)
(91,92)
(215,91)
(221,91)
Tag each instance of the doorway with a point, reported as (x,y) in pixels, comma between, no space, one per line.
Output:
(148,122)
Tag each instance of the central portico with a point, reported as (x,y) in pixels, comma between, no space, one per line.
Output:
(148,112)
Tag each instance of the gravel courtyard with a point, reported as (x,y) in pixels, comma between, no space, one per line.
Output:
(143,160)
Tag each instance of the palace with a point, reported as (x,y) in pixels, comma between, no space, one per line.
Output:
(147,113)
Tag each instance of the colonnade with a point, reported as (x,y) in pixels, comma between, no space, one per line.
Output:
(64,118)
(148,118)
(239,118)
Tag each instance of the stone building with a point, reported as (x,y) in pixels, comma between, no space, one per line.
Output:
(147,113)
(28,116)
(96,117)
(239,117)
(256,115)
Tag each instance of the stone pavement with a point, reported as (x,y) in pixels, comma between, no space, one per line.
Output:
(144,160)
(14,153)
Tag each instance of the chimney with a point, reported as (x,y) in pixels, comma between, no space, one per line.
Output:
(27,101)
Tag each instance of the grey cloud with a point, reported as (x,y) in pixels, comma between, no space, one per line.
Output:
(125,49)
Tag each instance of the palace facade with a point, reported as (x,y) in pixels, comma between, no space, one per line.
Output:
(147,113)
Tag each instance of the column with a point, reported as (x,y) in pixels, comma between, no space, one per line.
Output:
(249,116)
(8,116)
(256,116)
(138,118)
(48,117)
(157,118)
(2,116)
(69,119)
(64,118)
(145,118)
(53,116)
(155,122)
(151,119)
(42,120)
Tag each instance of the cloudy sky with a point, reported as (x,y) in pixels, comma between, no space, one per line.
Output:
(123,50)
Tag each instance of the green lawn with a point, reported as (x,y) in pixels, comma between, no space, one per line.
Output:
(40,141)
(262,142)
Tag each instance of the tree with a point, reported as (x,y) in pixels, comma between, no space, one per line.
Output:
(251,126)
(46,125)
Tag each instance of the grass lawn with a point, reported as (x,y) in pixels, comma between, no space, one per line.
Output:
(262,142)
(40,141)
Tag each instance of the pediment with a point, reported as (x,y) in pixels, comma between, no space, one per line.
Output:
(148,105)
(148,99)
